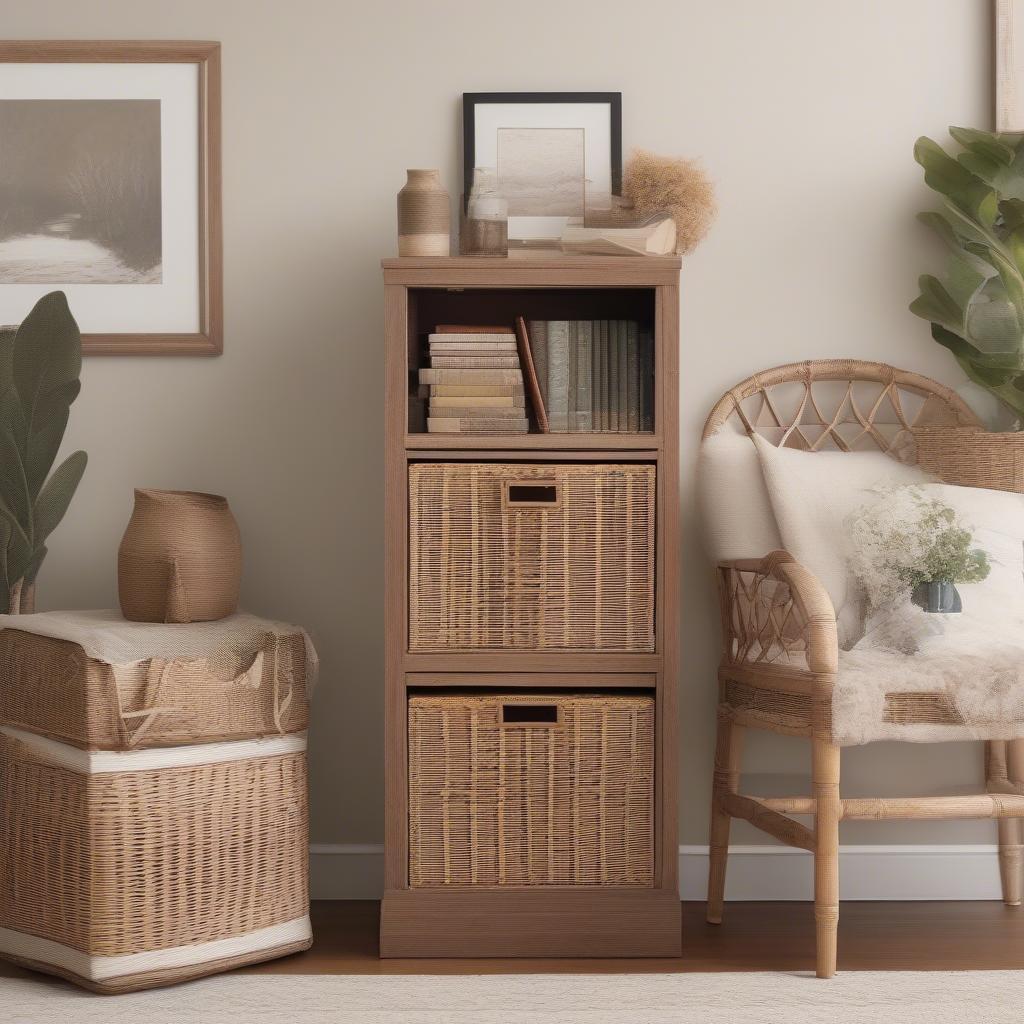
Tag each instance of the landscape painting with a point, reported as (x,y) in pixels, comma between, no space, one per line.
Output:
(542,171)
(80,191)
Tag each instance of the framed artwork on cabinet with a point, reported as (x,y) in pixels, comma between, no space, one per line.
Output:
(552,152)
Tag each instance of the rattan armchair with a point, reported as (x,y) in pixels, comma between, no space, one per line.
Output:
(780,651)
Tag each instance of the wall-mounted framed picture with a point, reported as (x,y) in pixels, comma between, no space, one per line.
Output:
(551,150)
(1009,51)
(110,190)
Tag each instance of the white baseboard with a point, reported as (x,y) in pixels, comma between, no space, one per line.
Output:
(355,872)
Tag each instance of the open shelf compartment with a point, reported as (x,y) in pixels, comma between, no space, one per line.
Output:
(609,364)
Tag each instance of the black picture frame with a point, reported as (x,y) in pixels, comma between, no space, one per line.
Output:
(470,101)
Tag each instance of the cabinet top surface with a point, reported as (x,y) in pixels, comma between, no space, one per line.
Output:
(533,259)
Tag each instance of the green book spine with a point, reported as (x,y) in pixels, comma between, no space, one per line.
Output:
(574,326)
(584,376)
(622,376)
(633,377)
(558,376)
(613,375)
(646,380)
(537,330)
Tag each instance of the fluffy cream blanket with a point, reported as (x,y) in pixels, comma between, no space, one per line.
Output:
(967,668)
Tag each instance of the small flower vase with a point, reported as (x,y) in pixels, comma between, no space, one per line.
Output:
(937,596)
(424,216)
(484,225)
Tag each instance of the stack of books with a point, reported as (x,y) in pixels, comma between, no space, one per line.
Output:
(594,375)
(475,382)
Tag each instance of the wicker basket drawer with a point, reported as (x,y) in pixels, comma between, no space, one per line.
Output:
(531,557)
(531,789)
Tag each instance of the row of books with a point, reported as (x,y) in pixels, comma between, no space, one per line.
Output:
(581,376)
(475,382)
(594,375)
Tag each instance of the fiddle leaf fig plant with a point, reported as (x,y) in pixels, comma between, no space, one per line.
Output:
(40,364)
(977,311)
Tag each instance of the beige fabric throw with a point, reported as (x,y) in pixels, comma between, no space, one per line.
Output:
(108,637)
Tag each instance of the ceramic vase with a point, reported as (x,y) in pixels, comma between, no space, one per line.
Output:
(938,596)
(180,559)
(424,215)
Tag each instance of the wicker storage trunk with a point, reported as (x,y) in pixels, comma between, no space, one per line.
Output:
(123,871)
(51,686)
(531,790)
(531,557)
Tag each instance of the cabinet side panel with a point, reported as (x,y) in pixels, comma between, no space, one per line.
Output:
(395,603)
(667,408)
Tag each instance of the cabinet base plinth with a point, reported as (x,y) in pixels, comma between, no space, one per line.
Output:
(530,923)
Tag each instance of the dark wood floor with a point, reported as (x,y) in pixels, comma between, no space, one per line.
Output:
(754,937)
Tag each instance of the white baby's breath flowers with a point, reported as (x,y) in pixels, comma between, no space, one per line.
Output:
(903,538)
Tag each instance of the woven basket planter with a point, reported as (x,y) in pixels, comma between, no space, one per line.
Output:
(124,871)
(531,790)
(51,686)
(972,457)
(531,557)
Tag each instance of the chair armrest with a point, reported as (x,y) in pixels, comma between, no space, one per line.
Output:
(776,613)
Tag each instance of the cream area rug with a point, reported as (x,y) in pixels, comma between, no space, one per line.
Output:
(982,997)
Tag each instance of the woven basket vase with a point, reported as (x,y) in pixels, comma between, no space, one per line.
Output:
(972,457)
(180,559)
(424,215)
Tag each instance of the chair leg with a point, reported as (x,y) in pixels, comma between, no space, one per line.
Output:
(728,750)
(1011,832)
(826,758)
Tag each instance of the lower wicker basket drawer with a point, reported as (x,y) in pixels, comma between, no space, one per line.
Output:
(531,790)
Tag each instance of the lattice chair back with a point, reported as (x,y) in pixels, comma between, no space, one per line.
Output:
(839,405)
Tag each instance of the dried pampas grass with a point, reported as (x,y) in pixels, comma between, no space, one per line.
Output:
(671,185)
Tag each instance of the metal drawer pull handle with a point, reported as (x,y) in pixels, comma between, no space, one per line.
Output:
(542,716)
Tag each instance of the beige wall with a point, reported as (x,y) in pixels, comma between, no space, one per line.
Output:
(805,112)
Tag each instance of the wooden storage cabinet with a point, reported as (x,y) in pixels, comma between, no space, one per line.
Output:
(527,573)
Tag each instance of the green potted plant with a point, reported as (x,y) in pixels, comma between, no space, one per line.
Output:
(40,364)
(977,310)
(908,542)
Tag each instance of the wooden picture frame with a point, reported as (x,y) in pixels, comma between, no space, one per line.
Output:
(205,291)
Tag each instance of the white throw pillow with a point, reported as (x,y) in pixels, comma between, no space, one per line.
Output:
(812,494)
(735,511)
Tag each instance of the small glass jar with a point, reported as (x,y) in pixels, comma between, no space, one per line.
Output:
(484,229)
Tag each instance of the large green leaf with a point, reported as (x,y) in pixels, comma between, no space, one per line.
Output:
(47,364)
(56,495)
(990,159)
(956,183)
(992,323)
(40,363)
(5,580)
(937,305)
(14,491)
(1006,367)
